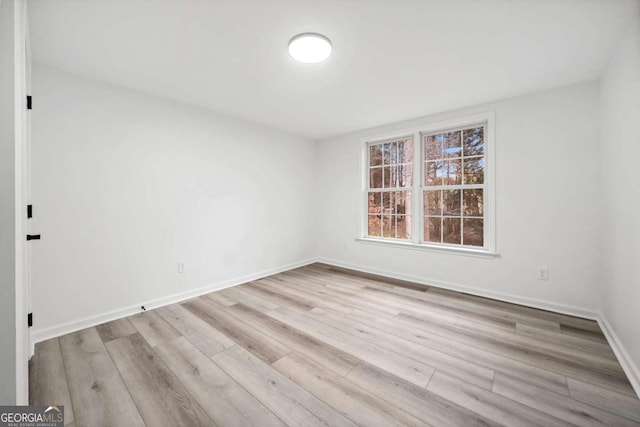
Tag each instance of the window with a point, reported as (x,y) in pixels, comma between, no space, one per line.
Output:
(433,187)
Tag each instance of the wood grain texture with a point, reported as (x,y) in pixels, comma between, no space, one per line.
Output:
(224,400)
(323,346)
(421,403)
(400,365)
(354,402)
(490,405)
(620,404)
(261,345)
(206,338)
(154,328)
(116,329)
(559,406)
(249,299)
(47,379)
(330,357)
(98,394)
(290,402)
(160,397)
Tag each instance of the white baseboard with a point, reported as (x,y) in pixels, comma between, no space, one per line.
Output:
(39,335)
(628,365)
(529,302)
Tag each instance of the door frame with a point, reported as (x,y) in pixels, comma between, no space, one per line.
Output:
(21,192)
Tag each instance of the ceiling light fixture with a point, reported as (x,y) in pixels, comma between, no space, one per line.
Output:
(310,48)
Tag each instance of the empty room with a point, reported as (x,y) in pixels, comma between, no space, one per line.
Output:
(306,213)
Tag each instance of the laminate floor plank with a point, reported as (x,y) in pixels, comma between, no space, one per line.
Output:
(220,298)
(292,403)
(115,329)
(540,377)
(400,365)
(261,288)
(248,299)
(289,286)
(559,406)
(417,401)
(98,394)
(381,279)
(468,371)
(558,338)
(319,346)
(261,345)
(209,340)
(47,379)
(160,397)
(355,403)
(600,362)
(225,401)
(154,328)
(330,357)
(532,313)
(324,298)
(337,296)
(490,405)
(398,303)
(566,366)
(621,404)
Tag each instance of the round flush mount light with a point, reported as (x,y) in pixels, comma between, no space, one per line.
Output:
(310,48)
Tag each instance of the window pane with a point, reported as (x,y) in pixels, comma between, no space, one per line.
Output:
(405,151)
(473,141)
(473,202)
(451,172)
(451,202)
(473,232)
(375,155)
(405,175)
(386,153)
(386,203)
(434,173)
(452,145)
(386,176)
(403,226)
(402,203)
(432,229)
(375,200)
(432,202)
(374,225)
(433,147)
(388,226)
(375,178)
(474,170)
(451,230)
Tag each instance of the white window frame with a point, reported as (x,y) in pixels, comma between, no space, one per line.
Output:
(417,221)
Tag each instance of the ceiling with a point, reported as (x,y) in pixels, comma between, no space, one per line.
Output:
(393,60)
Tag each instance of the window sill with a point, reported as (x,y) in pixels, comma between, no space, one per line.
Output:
(431,248)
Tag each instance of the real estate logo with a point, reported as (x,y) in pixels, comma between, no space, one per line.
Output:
(32,416)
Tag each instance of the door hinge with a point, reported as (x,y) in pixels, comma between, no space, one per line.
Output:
(30,319)
(29,102)
(33,237)
(29,211)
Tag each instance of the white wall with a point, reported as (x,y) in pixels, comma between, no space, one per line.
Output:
(620,238)
(546,212)
(126,185)
(7,206)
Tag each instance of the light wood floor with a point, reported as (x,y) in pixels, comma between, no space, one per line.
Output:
(323,346)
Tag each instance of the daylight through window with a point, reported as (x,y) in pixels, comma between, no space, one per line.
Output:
(443,202)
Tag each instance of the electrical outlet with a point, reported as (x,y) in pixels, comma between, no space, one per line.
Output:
(182,268)
(543,273)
